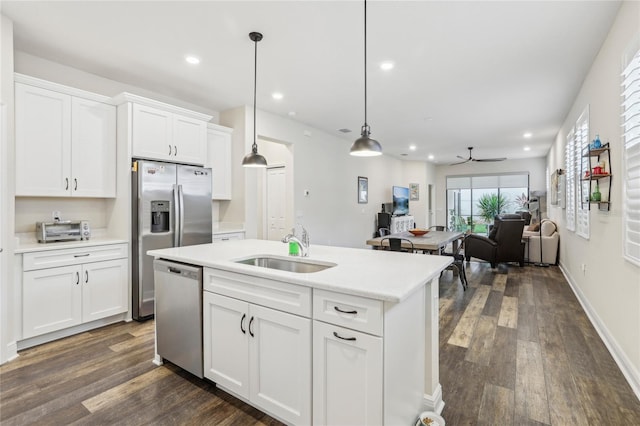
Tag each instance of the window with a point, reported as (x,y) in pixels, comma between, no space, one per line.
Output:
(466,195)
(571,181)
(582,186)
(631,173)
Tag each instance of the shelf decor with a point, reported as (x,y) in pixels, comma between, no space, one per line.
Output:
(594,171)
(363,190)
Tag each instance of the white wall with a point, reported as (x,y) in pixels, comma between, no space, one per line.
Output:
(536,167)
(610,286)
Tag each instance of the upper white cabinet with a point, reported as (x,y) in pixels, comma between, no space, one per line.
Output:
(219,159)
(163,132)
(65,141)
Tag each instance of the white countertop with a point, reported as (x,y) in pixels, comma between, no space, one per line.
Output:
(34,246)
(382,275)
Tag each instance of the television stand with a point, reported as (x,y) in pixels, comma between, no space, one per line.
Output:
(401,223)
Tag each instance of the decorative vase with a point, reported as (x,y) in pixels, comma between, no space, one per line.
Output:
(597,143)
(596,196)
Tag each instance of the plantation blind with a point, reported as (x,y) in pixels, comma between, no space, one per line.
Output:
(631,154)
(583,186)
(570,210)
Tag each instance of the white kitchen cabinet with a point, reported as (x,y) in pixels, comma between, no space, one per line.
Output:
(219,157)
(67,287)
(256,352)
(347,376)
(165,132)
(65,144)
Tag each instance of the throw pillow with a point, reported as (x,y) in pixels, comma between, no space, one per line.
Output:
(548,228)
(535,227)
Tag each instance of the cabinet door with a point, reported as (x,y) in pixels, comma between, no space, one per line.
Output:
(93,149)
(226,342)
(104,289)
(280,364)
(51,300)
(219,159)
(43,141)
(189,140)
(347,376)
(152,134)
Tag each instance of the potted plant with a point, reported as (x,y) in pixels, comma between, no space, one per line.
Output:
(490,205)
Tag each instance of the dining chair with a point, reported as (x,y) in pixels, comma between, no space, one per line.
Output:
(395,244)
(438,228)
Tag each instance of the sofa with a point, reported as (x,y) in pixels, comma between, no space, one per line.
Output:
(550,242)
(504,243)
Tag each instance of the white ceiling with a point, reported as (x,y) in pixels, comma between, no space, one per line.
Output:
(472,73)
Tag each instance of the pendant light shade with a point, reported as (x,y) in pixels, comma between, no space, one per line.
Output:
(364,146)
(254,159)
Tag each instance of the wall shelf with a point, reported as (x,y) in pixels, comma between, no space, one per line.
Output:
(588,177)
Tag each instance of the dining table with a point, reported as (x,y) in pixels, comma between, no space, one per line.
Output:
(431,242)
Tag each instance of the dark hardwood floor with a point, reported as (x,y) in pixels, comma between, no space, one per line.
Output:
(515,349)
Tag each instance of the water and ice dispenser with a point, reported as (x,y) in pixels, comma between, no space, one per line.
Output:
(160,216)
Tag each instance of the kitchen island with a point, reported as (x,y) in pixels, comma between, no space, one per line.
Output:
(353,343)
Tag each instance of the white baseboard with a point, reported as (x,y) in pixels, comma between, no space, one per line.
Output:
(10,352)
(629,371)
(434,402)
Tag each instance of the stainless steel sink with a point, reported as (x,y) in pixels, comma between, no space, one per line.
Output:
(286,264)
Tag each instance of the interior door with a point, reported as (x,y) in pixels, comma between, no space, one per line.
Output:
(276,203)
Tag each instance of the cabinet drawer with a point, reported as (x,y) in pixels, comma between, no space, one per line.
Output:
(228,236)
(357,313)
(74,256)
(274,294)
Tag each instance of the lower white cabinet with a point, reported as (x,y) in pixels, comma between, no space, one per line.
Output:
(260,354)
(58,297)
(347,376)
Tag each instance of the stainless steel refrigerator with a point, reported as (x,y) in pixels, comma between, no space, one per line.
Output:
(171,207)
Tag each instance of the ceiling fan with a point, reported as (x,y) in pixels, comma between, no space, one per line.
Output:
(466,160)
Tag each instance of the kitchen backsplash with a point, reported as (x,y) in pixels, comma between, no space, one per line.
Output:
(31,210)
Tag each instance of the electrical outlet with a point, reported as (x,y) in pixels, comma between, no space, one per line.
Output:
(584,269)
(55,215)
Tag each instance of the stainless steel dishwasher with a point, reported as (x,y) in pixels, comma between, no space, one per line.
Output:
(179,314)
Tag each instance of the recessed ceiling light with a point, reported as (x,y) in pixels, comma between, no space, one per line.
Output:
(527,135)
(193,60)
(412,147)
(277,96)
(526,148)
(431,157)
(387,65)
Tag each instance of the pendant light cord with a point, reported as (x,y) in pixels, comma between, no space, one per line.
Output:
(365,64)
(254,148)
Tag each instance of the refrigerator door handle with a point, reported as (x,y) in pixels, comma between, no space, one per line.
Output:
(177,219)
(181,227)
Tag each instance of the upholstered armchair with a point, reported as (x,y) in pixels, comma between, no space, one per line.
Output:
(548,234)
(504,243)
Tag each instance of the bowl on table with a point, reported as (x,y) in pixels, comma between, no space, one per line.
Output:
(418,232)
(429,418)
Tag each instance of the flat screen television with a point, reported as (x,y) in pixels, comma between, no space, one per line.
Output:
(400,200)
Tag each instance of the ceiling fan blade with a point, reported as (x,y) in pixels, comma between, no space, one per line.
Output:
(463,158)
(461,162)
(490,159)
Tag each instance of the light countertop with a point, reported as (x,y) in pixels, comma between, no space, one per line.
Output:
(27,243)
(382,275)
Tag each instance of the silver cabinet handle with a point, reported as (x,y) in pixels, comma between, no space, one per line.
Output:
(77,278)
(169,149)
(175,150)
(81,255)
(86,276)
(351,339)
(250,329)
(345,312)
(66,183)
(75,182)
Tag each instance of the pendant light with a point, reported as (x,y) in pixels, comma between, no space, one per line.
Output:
(364,146)
(254,159)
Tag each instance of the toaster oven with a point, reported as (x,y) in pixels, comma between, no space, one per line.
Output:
(68,230)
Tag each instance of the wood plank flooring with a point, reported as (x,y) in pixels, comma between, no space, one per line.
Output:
(515,349)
